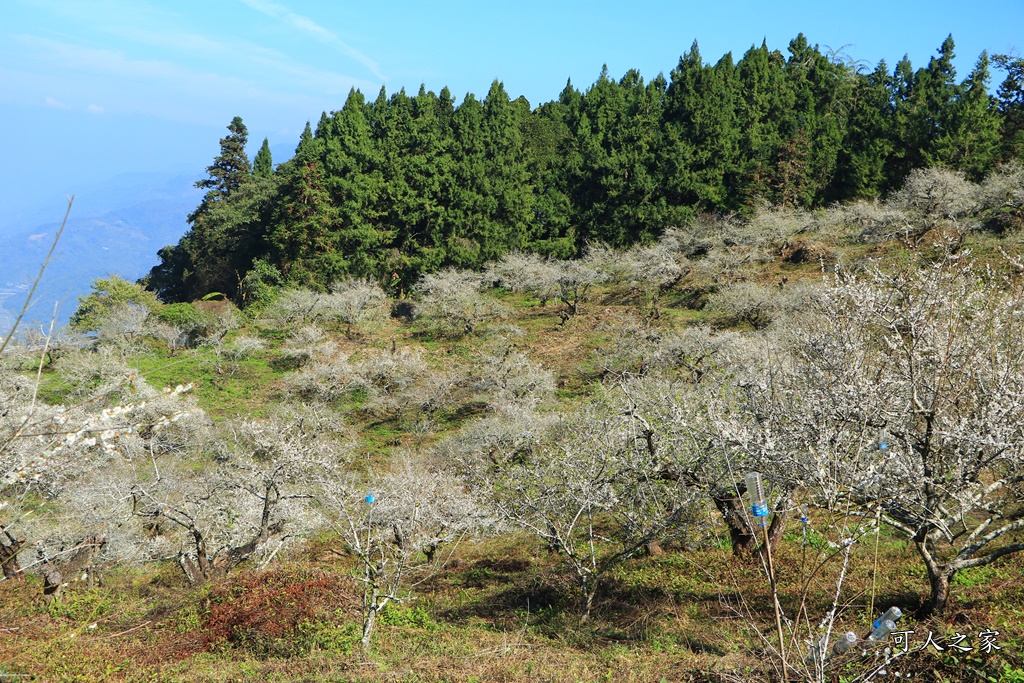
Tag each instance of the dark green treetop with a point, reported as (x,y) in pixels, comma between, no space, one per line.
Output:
(263,164)
(1011,105)
(231,167)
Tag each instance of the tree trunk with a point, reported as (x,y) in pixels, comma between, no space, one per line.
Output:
(653,549)
(9,556)
(740,533)
(778,524)
(745,539)
(189,569)
(369,621)
(588,597)
(939,598)
(53,583)
(939,578)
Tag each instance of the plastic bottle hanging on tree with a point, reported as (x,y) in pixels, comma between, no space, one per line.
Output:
(804,520)
(883,440)
(370,497)
(755,490)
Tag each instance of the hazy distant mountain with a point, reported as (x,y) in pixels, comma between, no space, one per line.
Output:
(115,227)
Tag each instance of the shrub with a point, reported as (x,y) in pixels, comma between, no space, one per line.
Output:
(299,307)
(186,317)
(324,380)
(306,343)
(510,378)
(260,285)
(630,351)
(1001,197)
(108,295)
(354,302)
(219,318)
(123,326)
(281,613)
(657,265)
(98,377)
(244,347)
(359,302)
(524,272)
(510,433)
(389,379)
(614,265)
(934,194)
(416,511)
(867,221)
(743,302)
(772,226)
(452,304)
(194,322)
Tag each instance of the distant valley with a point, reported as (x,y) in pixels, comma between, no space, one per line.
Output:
(115,227)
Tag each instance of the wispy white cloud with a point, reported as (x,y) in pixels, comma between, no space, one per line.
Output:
(166,89)
(310,27)
(55,103)
(260,59)
(95,109)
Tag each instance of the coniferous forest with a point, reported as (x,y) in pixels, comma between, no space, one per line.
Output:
(402,185)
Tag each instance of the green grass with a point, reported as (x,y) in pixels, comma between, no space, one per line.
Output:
(224,387)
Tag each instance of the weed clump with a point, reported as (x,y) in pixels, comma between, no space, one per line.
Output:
(282,613)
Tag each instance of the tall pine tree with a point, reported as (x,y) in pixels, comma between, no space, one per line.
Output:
(868,143)
(227,228)
(230,169)
(1011,106)
(700,134)
(969,139)
(263,164)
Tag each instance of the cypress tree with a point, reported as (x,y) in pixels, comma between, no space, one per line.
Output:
(226,228)
(306,148)
(355,183)
(546,139)
(700,135)
(867,145)
(814,129)
(303,238)
(636,209)
(598,185)
(509,185)
(403,185)
(935,90)
(765,112)
(904,128)
(429,172)
(1011,106)
(469,210)
(230,169)
(969,140)
(492,208)
(263,165)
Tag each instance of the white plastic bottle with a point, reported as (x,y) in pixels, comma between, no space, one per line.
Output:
(882,630)
(892,614)
(844,643)
(755,490)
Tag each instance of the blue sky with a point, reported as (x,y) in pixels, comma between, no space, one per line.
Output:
(93,88)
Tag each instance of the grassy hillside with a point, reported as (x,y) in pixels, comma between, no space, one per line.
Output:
(503,605)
